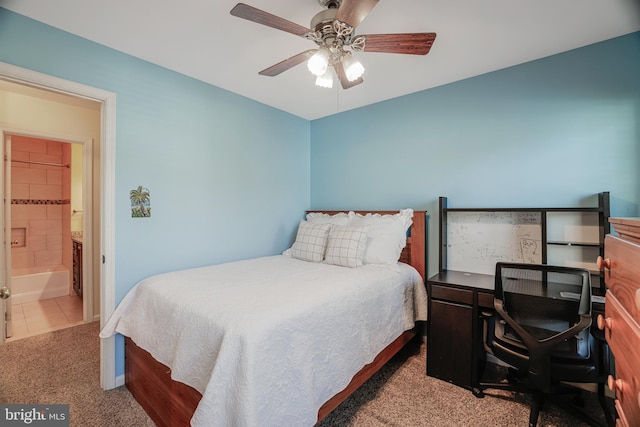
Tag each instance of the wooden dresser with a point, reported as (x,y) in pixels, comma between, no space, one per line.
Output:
(621,322)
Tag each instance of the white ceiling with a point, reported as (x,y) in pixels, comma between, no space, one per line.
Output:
(201,39)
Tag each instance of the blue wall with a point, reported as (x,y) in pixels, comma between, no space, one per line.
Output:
(553,132)
(228,177)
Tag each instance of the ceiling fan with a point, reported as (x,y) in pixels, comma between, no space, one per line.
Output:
(333,31)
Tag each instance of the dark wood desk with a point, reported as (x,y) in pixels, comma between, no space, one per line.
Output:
(456,302)
(454,328)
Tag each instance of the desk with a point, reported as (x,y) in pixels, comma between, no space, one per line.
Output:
(456,301)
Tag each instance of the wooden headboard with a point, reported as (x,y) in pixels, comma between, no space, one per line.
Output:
(415,253)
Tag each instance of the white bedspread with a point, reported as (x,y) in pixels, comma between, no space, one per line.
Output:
(267,341)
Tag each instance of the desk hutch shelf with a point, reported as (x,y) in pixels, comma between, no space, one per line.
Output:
(571,236)
(472,240)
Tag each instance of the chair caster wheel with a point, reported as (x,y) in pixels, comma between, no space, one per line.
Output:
(477,392)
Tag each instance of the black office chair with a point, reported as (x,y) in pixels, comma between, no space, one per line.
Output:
(541,328)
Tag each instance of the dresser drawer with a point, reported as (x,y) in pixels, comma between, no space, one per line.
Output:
(621,331)
(627,388)
(621,421)
(623,273)
(623,336)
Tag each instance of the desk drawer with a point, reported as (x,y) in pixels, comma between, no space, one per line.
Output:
(623,275)
(485,300)
(451,294)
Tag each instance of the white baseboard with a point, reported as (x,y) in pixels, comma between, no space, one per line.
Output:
(119,380)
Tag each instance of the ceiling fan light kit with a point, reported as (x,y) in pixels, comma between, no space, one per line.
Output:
(352,67)
(333,31)
(325,80)
(319,62)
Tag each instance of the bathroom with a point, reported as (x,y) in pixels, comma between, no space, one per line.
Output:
(46,227)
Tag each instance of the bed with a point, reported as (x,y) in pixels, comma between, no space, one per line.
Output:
(308,340)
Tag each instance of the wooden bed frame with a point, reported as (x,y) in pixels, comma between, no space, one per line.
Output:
(170,403)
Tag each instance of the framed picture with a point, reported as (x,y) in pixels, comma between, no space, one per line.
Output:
(140,202)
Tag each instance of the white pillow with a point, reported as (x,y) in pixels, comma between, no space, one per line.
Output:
(346,245)
(311,241)
(387,235)
(341,218)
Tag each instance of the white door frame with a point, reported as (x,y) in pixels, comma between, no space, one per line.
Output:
(5,218)
(107,193)
(87,205)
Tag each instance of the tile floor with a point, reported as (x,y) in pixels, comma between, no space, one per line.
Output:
(33,318)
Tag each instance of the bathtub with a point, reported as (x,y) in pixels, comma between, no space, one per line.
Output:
(36,283)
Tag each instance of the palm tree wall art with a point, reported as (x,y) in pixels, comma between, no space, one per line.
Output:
(140,202)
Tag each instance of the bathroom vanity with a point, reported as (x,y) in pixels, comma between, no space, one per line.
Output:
(77,265)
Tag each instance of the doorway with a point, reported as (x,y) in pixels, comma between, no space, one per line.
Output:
(45,184)
(105,205)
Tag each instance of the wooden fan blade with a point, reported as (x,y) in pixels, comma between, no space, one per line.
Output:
(346,84)
(409,43)
(283,66)
(352,12)
(250,13)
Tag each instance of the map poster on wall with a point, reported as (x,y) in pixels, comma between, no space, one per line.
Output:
(477,240)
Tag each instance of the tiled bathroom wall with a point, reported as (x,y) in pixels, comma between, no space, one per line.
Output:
(40,203)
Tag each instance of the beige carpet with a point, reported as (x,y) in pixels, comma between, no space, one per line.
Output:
(401,395)
(63,367)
